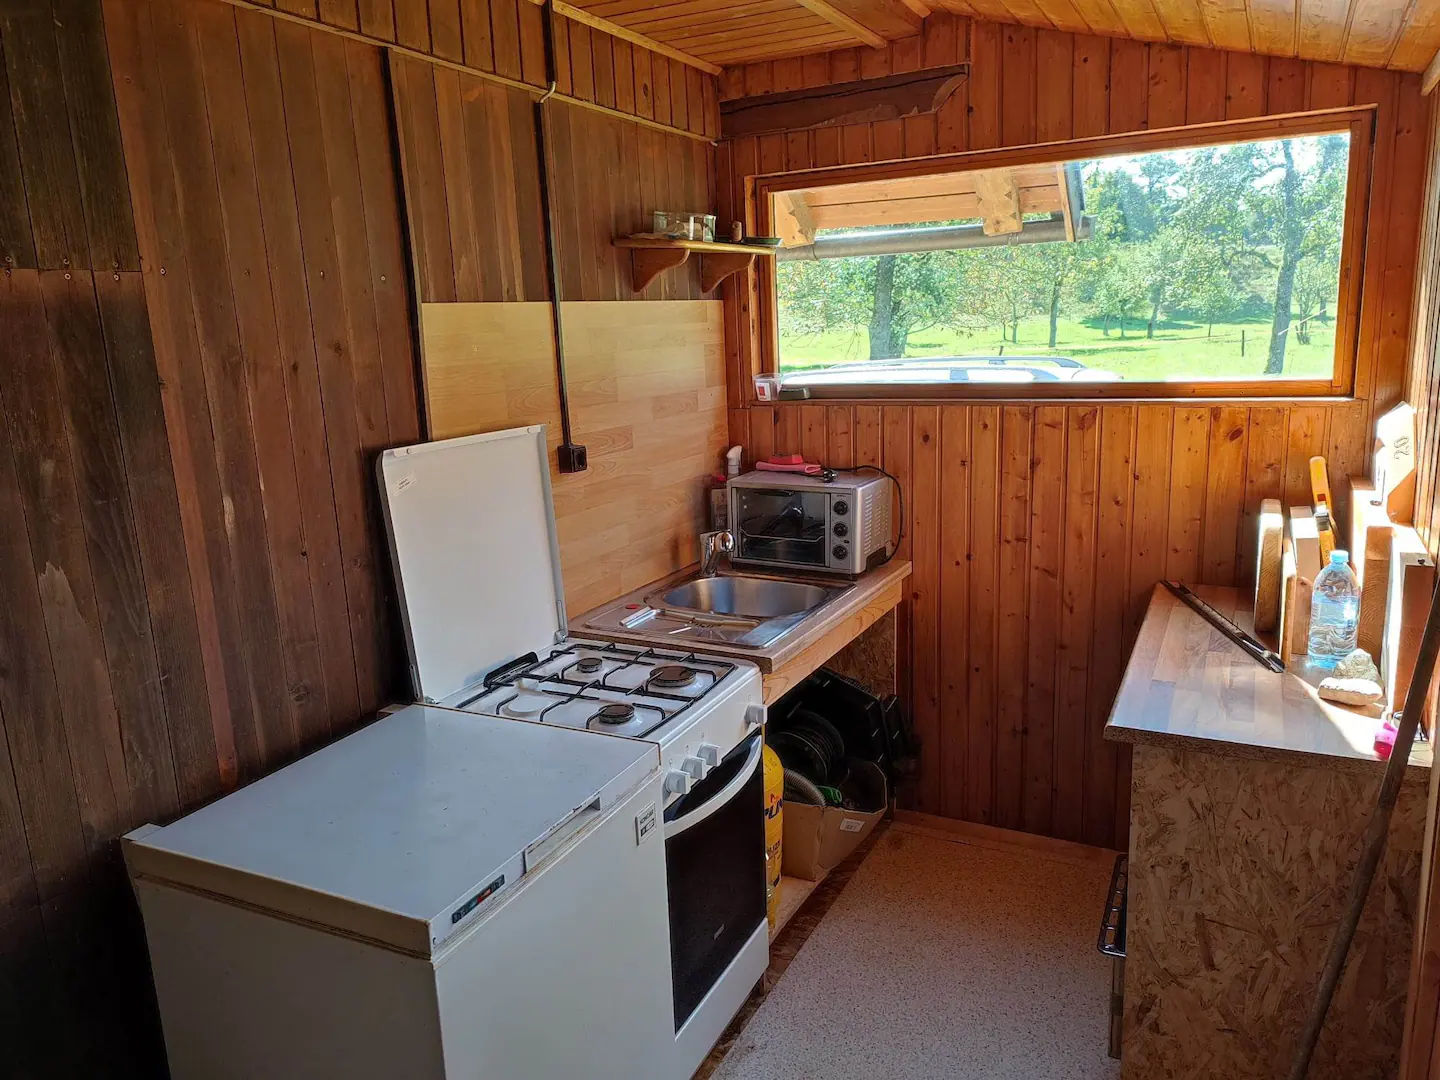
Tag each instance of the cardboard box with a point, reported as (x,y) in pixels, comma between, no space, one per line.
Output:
(818,838)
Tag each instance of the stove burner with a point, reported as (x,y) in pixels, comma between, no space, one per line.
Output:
(672,676)
(524,706)
(588,665)
(616,714)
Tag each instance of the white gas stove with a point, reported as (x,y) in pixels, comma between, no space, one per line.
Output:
(477,564)
(696,707)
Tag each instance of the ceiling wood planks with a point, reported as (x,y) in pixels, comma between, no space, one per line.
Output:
(1398,34)
(721,32)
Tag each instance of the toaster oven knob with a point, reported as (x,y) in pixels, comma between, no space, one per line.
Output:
(841,529)
(677,782)
(840,507)
(710,754)
(840,551)
(694,767)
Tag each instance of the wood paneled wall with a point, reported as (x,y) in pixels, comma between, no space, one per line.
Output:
(210,326)
(505,38)
(1420,1051)
(208,335)
(269,225)
(469,152)
(647,393)
(1423,389)
(1038,530)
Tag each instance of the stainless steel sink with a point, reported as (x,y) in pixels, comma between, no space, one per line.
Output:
(751,597)
(748,610)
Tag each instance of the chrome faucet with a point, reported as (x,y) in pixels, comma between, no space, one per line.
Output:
(712,546)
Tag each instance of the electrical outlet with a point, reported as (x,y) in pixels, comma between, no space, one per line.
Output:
(572,458)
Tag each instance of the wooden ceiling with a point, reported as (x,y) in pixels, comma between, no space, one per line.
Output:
(1401,34)
(740,31)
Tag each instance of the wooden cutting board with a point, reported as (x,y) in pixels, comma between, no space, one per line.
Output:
(1269,565)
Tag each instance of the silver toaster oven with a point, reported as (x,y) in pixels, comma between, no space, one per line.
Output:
(795,522)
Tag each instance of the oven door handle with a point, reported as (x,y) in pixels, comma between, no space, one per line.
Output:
(720,798)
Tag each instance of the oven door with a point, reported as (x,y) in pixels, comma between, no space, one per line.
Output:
(715,866)
(782,527)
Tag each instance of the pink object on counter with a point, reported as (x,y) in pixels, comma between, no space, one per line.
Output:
(804,468)
(1385,740)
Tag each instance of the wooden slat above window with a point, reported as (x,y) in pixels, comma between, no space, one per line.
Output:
(914,200)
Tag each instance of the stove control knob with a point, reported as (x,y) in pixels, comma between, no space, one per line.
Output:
(677,783)
(754,716)
(710,754)
(694,767)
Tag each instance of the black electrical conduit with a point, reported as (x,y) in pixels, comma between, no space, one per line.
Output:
(571,456)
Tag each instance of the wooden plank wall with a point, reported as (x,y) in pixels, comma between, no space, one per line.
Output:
(468,147)
(269,225)
(202,354)
(103,696)
(1423,390)
(1037,529)
(1420,1051)
(505,38)
(207,303)
(647,390)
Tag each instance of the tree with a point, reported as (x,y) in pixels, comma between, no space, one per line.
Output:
(1316,281)
(1207,287)
(1163,269)
(1291,234)
(1109,279)
(893,296)
(1300,212)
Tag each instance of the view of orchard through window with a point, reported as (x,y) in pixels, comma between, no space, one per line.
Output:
(1207,263)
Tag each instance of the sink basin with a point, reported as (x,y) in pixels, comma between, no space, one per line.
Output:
(748,597)
(748,611)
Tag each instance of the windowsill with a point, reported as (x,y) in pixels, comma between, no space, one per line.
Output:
(1151,394)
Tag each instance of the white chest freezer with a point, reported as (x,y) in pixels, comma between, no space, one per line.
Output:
(436,895)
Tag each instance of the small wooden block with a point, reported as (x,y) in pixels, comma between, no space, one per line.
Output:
(1412,580)
(1287,597)
(1306,545)
(1372,565)
(1394,466)
(1363,514)
(1268,565)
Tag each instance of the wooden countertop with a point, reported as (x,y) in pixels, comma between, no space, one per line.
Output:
(875,592)
(1186,686)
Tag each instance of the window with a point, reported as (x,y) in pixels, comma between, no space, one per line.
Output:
(1159,267)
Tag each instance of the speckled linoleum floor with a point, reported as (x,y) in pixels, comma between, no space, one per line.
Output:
(942,959)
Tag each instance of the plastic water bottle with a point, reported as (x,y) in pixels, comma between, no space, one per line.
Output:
(1334,611)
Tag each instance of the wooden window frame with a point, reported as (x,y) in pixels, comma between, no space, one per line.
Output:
(1358,121)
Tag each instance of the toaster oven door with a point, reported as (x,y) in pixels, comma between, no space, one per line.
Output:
(782,527)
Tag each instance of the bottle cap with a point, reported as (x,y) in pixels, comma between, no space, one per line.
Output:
(1339,556)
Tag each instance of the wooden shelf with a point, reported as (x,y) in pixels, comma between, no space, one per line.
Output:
(651,256)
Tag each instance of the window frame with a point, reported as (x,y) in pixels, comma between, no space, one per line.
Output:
(1359,121)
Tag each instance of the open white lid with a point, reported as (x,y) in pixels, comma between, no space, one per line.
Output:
(477,562)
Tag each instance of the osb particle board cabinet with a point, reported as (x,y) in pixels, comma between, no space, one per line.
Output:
(1249,801)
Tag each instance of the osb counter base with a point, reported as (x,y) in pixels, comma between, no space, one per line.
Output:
(1238,872)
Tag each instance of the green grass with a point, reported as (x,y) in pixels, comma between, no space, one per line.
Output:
(1179,350)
